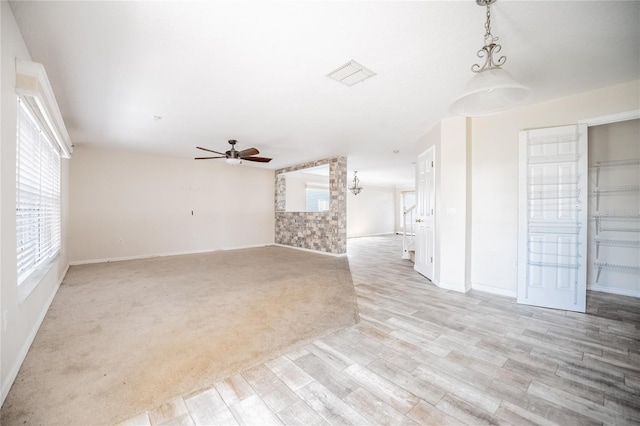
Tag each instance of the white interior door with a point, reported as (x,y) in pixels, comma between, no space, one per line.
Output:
(552,233)
(425,213)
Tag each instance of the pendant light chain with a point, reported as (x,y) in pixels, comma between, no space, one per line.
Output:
(488,37)
(490,47)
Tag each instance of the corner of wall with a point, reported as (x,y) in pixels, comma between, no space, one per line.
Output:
(321,231)
(469,203)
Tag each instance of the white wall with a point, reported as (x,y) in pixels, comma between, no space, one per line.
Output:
(22,318)
(127,205)
(451,139)
(371,212)
(453,208)
(495,175)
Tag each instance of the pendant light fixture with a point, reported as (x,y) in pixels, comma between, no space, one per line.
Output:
(355,187)
(492,89)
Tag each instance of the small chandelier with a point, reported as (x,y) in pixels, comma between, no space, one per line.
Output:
(492,89)
(355,187)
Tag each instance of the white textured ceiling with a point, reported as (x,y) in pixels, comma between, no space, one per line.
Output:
(256,71)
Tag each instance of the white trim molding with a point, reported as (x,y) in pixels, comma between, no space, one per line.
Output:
(461,287)
(613,290)
(495,290)
(611,118)
(33,85)
(26,345)
(312,251)
(149,256)
(381,234)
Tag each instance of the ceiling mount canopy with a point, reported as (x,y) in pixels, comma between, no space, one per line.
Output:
(492,89)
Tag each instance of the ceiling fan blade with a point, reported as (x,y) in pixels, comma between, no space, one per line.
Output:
(210,150)
(208,158)
(257,159)
(247,152)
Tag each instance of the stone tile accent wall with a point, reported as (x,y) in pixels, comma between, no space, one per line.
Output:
(322,231)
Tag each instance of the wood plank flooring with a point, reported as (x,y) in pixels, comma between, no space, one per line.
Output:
(422,355)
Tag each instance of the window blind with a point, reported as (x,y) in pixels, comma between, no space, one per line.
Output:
(37,195)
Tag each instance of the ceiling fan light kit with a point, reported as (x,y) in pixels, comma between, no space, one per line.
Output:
(233,161)
(492,89)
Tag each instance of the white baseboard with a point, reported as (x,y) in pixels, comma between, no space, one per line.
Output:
(495,290)
(372,235)
(13,373)
(149,256)
(312,251)
(613,290)
(461,287)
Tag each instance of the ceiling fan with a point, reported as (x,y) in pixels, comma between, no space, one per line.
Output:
(234,156)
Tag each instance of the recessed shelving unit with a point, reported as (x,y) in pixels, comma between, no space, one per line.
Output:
(579,213)
(616,218)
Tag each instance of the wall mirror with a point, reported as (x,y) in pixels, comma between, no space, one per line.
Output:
(307,190)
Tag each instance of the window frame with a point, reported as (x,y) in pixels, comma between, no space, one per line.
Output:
(38,187)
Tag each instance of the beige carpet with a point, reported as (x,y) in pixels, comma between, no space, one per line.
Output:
(122,337)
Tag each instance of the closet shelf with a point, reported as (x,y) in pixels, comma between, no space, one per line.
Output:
(552,197)
(617,243)
(568,231)
(555,243)
(617,163)
(620,217)
(553,159)
(616,189)
(571,223)
(553,180)
(554,265)
(619,229)
(616,267)
(567,227)
(621,220)
(544,140)
(572,255)
(555,209)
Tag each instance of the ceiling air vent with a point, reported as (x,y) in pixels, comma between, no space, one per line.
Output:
(351,73)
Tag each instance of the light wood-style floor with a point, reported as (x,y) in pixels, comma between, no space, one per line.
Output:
(422,355)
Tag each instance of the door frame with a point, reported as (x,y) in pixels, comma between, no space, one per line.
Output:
(603,120)
(611,118)
(590,122)
(431,149)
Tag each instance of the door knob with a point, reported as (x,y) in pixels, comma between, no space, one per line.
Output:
(418,220)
